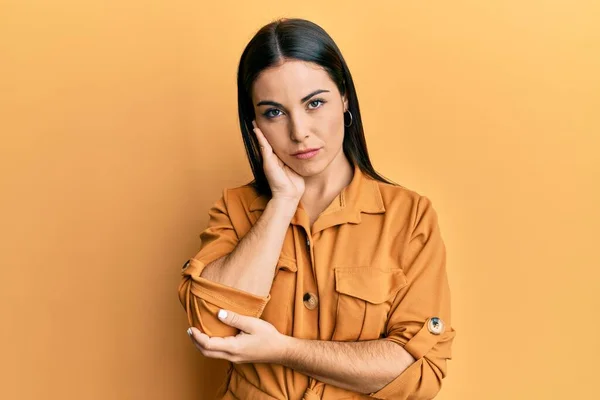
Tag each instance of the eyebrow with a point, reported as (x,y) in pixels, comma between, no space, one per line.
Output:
(274,103)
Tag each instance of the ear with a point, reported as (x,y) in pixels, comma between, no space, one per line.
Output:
(345,100)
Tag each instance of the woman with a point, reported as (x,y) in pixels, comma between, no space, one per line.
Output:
(320,279)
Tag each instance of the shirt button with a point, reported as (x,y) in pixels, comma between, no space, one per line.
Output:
(308,243)
(435,325)
(310,301)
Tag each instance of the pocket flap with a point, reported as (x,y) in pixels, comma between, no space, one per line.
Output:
(372,284)
(286,263)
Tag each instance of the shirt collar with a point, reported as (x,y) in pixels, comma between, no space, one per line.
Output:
(362,195)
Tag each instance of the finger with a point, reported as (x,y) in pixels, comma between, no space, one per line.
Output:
(214,344)
(207,352)
(242,322)
(262,140)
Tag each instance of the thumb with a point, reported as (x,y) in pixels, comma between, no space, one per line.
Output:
(236,320)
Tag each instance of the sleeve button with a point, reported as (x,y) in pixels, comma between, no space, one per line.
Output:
(435,325)
(185,265)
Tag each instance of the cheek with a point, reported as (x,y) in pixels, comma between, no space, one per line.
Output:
(335,128)
(277,139)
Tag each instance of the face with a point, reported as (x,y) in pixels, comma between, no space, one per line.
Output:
(298,107)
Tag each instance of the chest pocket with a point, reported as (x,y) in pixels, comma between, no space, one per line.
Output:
(364,299)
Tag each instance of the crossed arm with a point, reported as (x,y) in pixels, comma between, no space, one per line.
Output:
(363,367)
(410,362)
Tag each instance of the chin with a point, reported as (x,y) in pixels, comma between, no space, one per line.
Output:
(308,169)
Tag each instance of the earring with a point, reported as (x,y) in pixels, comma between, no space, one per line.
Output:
(349,113)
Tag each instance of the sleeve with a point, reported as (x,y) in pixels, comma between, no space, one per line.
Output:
(419,319)
(202,299)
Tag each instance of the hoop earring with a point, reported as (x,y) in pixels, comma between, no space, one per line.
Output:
(348,111)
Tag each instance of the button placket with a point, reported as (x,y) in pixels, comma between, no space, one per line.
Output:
(309,252)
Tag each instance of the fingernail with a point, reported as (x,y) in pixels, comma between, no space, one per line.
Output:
(189,331)
(222,314)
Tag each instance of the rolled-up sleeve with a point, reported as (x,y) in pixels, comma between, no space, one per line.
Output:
(202,298)
(419,319)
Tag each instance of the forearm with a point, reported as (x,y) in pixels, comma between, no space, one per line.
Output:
(251,265)
(363,367)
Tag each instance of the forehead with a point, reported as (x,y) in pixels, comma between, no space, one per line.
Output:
(293,79)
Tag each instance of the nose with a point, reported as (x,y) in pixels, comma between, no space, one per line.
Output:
(299,128)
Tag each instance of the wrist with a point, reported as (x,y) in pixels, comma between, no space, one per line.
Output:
(287,346)
(285,205)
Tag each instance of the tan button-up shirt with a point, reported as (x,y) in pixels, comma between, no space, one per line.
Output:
(372,266)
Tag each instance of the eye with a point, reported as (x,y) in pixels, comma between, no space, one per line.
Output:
(316,103)
(272,113)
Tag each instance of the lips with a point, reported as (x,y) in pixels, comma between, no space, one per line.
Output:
(304,151)
(307,154)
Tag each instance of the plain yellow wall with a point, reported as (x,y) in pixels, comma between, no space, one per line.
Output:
(119,130)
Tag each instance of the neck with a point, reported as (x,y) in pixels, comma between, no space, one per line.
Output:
(328,183)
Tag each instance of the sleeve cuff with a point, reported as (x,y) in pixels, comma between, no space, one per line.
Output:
(223,296)
(403,385)
(422,376)
(427,337)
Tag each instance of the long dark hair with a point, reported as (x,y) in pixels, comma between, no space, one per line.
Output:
(297,39)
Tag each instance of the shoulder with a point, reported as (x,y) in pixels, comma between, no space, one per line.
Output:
(240,197)
(398,196)
(404,203)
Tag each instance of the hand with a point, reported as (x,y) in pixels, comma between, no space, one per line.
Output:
(283,181)
(258,341)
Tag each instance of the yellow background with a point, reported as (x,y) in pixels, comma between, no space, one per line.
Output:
(119,130)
